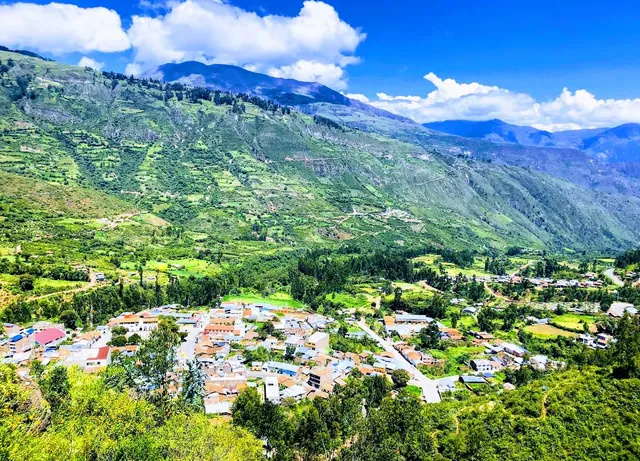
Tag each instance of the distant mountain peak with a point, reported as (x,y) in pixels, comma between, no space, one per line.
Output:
(285,91)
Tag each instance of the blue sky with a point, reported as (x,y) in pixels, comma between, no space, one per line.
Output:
(503,58)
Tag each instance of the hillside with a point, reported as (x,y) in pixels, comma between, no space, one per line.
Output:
(619,144)
(285,91)
(248,176)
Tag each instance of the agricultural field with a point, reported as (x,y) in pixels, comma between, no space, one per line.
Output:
(548,331)
(276,299)
(576,321)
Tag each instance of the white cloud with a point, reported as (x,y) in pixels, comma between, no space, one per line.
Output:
(133,69)
(316,44)
(312,71)
(473,101)
(61,28)
(86,61)
(357,97)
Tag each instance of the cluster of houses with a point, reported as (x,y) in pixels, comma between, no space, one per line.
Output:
(589,280)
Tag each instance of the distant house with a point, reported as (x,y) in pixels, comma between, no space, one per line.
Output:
(320,377)
(484,365)
(473,379)
(22,342)
(618,309)
(318,341)
(514,349)
(469,311)
(102,359)
(271,390)
(50,337)
(281,368)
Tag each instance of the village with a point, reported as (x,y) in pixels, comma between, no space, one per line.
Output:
(285,353)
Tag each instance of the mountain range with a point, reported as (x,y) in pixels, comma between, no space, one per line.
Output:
(243,175)
(618,144)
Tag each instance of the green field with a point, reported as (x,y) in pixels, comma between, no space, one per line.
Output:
(548,331)
(575,321)
(277,299)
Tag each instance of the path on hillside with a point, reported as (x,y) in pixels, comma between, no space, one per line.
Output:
(92,283)
(495,293)
(429,387)
(611,275)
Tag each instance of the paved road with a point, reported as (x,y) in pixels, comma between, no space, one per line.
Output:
(613,277)
(429,388)
(188,347)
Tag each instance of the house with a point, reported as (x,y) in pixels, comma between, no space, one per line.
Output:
(447,384)
(99,277)
(618,309)
(320,377)
(473,379)
(50,337)
(482,335)
(102,358)
(271,390)
(22,342)
(484,365)
(296,392)
(318,341)
(281,368)
(514,349)
(469,311)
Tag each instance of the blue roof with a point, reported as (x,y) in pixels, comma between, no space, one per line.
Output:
(30,331)
(16,338)
(472,379)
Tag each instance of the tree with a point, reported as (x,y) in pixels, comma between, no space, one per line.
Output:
(156,358)
(119,331)
(69,318)
(134,339)
(429,337)
(378,387)
(626,351)
(26,282)
(455,316)
(400,378)
(290,352)
(55,387)
(118,341)
(193,385)
(36,370)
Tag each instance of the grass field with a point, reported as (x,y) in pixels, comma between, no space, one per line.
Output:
(359,301)
(574,321)
(277,299)
(548,331)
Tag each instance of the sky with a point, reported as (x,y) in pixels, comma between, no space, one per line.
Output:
(553,65)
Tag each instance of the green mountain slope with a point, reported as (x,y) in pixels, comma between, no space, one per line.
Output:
(256,178)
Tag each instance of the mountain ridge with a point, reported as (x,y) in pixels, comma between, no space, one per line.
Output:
(285,91)
(246,178)
(615,144)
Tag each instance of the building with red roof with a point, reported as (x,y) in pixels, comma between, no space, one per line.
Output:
(50,337)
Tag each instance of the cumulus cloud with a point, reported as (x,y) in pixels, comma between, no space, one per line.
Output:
(451,100)
(314,45)
(312,71)
(133,69)
(61,28)
(86,61)
(357,97)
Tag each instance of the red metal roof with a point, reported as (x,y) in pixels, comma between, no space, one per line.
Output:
(49,335)
(103,353)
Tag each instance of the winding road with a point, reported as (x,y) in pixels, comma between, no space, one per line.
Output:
(429,387)
(611,275)
(92,283)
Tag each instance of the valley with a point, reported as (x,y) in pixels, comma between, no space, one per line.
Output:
(226,265)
